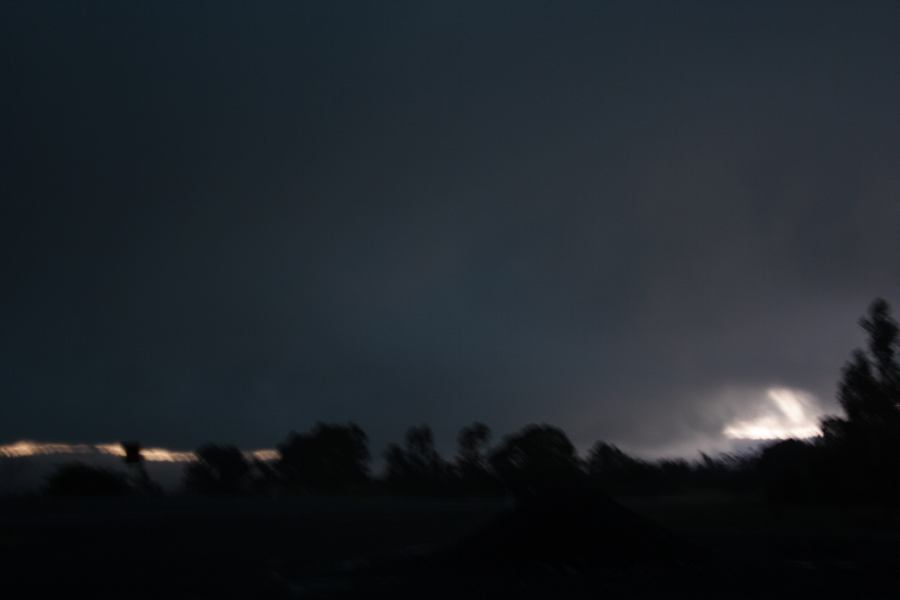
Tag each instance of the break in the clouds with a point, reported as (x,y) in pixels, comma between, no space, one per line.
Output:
(222,222)
(789,414)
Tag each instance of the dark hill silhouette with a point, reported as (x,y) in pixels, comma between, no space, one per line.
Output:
(571,541)
(573,528)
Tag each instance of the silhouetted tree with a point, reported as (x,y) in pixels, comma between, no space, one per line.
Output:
(859,392)
(134,458)
(606,459)
(268,480)
(883,331)
(861,451)
(331,458)
(619,473)
(616,471)
(420,446)
(535,459)
(218,470)
(790,472)
(473,471)
(869,391)
(77,479)
(416,468)
(834,430)
(472,441)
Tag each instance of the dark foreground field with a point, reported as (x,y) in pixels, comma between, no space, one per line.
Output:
(686,547)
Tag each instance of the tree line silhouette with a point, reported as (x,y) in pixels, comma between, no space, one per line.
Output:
(856,458)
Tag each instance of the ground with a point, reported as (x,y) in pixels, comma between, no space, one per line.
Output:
(715,546)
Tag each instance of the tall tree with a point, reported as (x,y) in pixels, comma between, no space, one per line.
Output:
(861,454)
(858,390)
(416,468)
(607,461)
(218,470)
(472,469)
(420,448)
(869,391)
(331,458)
(883,332)
(535,459)
(471,444)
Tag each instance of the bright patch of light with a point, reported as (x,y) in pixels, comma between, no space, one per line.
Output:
(26,448)
(263,455)
(114,449)
(791,414)
(149,454)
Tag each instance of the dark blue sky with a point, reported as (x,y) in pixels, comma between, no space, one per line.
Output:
(222,221)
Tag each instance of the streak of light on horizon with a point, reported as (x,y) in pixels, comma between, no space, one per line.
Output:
(24,448)
(793,414)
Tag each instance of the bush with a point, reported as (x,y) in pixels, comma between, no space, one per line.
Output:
(77,479)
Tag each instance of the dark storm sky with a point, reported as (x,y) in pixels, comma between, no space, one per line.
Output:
(222,221)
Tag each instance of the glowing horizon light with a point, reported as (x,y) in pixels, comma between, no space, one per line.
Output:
(25,448)
(264,455)
(163,455)
(795,415)
(114,449)
(29,448)
(150,454)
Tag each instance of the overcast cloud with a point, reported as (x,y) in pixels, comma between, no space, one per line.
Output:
(222,222)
